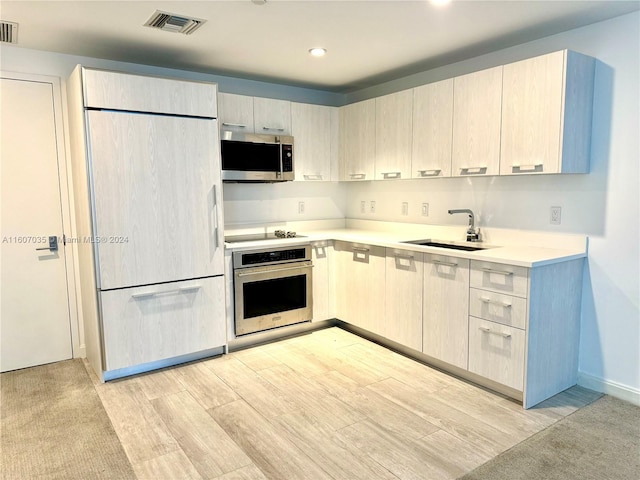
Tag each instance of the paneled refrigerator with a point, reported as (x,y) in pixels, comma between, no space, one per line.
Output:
(146,173)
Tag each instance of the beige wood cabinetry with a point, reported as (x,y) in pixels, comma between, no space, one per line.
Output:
(271,116)
(155,322)
(403,298)
(235,112)
(446,309)
(360,285)
(148,211)
(476,123)
(496,348)
(312,130)
(394,117)
(524,326)
(357,140)
(122,91)
(432,130)
(546,114)
(323,300)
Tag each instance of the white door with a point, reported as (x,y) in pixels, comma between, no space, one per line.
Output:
(35,323)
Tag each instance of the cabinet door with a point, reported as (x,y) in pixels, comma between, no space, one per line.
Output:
(403,298)
(235,112)
(476,123)
(393,135)
(272,116)
(156,198)
(359,281)
(311,130)
(531,115)
(141,93)
(432,130)
(322,297)
(446,309)
(146,324)
(357,140)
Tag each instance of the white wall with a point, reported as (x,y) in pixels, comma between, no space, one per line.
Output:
(604,204)
(279,202)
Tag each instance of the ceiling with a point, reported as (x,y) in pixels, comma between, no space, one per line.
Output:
(368,41)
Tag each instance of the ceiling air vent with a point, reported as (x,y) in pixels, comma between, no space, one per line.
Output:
(172,22)
(8,32)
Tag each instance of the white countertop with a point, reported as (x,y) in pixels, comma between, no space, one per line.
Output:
(511,253)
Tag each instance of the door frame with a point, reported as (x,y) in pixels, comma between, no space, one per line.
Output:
(76,328)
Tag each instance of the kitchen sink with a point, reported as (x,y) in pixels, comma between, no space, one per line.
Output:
(468,247)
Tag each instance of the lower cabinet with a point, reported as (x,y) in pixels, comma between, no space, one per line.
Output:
(157,322)
(496,352)
(360,285)
(323,303)
(446,309)
(403,298)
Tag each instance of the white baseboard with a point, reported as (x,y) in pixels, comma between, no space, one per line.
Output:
(623,392)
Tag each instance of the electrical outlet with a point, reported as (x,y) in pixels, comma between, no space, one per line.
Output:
(425,209)
(363,207)
(556,216)
(405,208)
(300,207)
(373,206)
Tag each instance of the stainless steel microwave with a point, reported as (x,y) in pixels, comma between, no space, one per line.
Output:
(255,157)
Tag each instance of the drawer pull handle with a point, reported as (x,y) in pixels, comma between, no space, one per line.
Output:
(535,167)
(429,173)
(495,302)
(406,257)
(239,125)
(488,330)
(358,176)
(445,264)
(473,170)
(386,175)
(499,272)
(167,292)
(312,177)
(277,129)
(360,249)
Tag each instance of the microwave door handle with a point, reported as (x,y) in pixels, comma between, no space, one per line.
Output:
(281,173)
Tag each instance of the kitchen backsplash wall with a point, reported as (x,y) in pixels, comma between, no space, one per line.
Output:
(500,202)
(280,202)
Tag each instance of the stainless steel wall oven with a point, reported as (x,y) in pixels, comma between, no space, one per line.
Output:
(272,288)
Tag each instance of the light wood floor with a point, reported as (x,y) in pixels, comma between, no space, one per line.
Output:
(328,405)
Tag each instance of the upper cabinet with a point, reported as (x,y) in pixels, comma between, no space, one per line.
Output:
(235,112)
(476,123)
(546,114)
(393,135)
(432,130)
(122,91)
(313,128)
(357,140)
(272,116)
(241,113)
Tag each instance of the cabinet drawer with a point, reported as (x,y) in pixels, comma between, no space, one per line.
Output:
(497,307)
(140,93)
(497,352)
(500,278)
(146,324)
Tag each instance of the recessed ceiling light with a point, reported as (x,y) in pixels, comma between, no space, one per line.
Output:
(318,51)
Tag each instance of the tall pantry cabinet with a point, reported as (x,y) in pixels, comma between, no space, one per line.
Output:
(146,174)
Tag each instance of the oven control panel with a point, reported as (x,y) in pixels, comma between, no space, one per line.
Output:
(271,256)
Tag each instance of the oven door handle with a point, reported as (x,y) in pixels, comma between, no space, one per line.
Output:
(262,272)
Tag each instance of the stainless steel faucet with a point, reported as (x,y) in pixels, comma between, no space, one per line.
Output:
(473,233)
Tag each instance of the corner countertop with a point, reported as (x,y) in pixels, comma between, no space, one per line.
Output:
(497,252)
